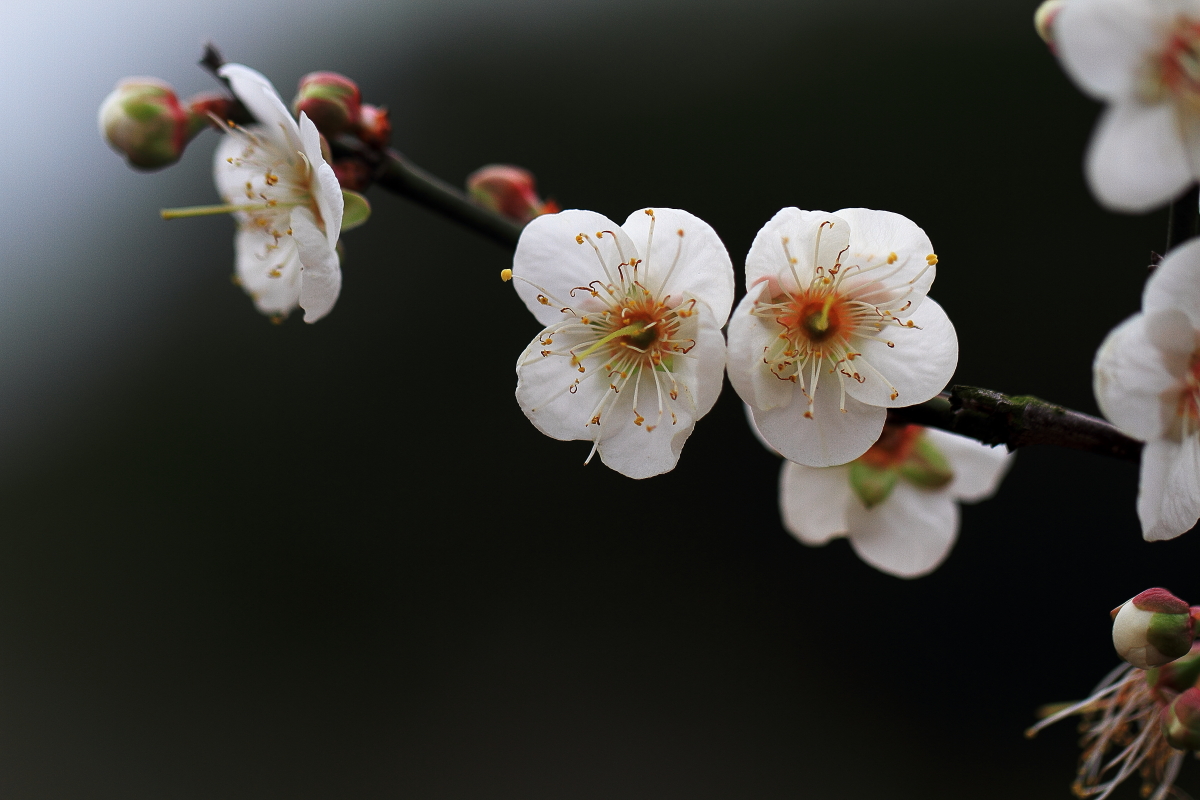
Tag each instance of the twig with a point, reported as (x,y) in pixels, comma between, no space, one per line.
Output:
(1017,421)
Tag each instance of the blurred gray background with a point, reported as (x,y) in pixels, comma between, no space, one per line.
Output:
(218,577)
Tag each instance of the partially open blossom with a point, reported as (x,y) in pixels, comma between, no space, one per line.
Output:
(835,328)
(1147,382)
(632,354)
(898,502)
(1152,629)
(332,101)
(508,190)
(1136,722)
(1139,56)
(143,120)
(286,199)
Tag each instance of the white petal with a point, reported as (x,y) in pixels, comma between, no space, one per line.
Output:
(701,263)
(874,237)
(814,501)
(768,258)
(1176,283)
(231,178)
(320,274)
(326,189)
(551,262)
(1169,488)
(1104,44)
(635,450)
(831,437)
(706,372)
(1133,386)
(749,337)
(917,368)
(978,468)
(909,534)
(1137,159)
(270,276)
(260,99)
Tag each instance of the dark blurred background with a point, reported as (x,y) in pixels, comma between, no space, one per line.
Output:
(241,560)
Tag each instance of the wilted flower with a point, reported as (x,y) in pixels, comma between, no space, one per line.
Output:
(1135,722)
(1147,382)
(1140,56)
(632,354)
(835,328)
(898,502)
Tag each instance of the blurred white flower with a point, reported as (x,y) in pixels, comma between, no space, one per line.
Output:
(287,202)
(632,354)
(1143,58)
(1147,382)
(898,502)
(835,328)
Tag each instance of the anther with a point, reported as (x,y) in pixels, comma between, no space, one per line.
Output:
(506,275)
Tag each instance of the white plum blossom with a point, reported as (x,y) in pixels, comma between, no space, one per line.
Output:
(287,202)
(835,328)
(1142,57)
(897,503)
(1147,382)
(632,354)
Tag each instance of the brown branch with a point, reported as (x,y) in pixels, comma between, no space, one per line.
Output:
(1018,421)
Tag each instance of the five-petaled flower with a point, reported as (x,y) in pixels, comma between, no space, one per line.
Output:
(287,202)
(1147,382)
(898,502)
(835,329)
(1143,58)
(632,354)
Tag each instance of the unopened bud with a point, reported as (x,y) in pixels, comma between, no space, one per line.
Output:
(509,191)
(143,120)
(214,104)
(332,101)
(1181,721)
(374,127)
(1043,20)
(1152,629)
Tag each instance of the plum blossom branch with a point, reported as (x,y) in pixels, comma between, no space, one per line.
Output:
(981,414)
(1017,421)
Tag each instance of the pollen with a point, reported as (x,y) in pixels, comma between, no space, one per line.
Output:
(506,275)
(931,259)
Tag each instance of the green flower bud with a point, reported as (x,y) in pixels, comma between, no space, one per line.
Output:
(1181,721)
(332,101)
(1152,629)
(143,120)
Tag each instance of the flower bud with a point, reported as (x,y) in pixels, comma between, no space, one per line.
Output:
(509,191)
(374,127)
(215,104)
(143,120)
(1181,721)
(332,101)
(1152,629)
(1043,20)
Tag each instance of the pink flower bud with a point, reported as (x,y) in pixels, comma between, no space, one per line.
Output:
(143,120)
(509,191)
(1181,721)
(332,101)
(374,127)
(1152,629)
(214,104)
(1043,20)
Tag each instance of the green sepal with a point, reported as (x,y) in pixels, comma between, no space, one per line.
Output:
(355,210)
(925,466)
(1170,634)
(873,485)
